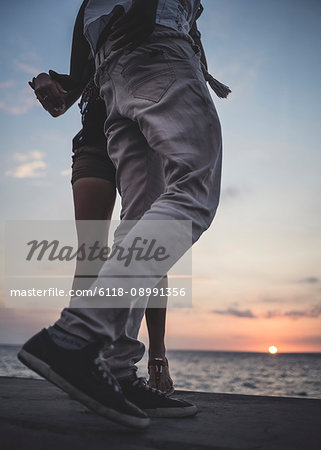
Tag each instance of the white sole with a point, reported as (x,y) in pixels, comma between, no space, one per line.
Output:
(40,367)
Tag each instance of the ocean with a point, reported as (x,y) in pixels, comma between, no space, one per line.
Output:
(283,374)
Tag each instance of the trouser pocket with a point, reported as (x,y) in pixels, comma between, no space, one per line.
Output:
(149,75)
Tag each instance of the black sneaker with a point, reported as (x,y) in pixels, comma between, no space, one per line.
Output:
(154,402)
(84,375)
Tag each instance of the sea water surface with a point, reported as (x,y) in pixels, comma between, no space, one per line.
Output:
(283,374)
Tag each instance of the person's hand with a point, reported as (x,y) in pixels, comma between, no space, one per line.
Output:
(131,29)
(64,80)
(49,93)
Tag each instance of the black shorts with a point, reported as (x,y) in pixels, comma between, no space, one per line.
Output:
(92,161)
(89,146)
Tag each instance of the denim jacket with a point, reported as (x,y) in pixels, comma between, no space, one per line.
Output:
(178,15)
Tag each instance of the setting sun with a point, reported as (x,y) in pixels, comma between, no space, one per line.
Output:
(273,349)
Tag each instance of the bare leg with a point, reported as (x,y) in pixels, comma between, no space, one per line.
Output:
(158,369)
(156,319)
(94,199)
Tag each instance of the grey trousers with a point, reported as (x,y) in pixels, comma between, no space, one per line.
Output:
(164,137)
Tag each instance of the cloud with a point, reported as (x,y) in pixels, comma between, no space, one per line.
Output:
(235,312)
(6,84)
(65,172)
(272,300)
(30,165)
(312,313)
(28,170)
(18,102)
(36,154)
(33,154)
(27,68)
(309,280)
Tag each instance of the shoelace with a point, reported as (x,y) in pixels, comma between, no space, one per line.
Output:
(142,383)
(103,367)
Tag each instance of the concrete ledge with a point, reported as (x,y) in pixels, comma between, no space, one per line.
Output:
(35,415)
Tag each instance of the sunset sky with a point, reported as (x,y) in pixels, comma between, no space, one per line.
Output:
(256,272)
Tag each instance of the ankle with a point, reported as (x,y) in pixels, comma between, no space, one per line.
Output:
(159,352)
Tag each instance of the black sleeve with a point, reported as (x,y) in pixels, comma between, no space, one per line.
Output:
(80,50)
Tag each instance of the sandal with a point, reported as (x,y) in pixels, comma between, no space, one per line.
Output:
(159,377)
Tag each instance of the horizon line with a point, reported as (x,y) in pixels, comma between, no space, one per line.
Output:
(212,351)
